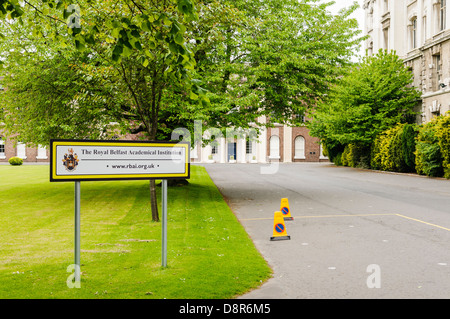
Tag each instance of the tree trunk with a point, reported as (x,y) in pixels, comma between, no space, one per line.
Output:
(154,201)
(156,101)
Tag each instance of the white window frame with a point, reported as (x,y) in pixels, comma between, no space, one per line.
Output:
(21,150)
(274,147)
(299,147)
(41,152)
(2,154)
(414,33)
(442,15)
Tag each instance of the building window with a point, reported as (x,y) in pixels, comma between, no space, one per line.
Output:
(424,28)
(300,117)
(42,152)
(2,148)
(21,150)
(414,33)
(299,147)
(442,14)
(437,63)
(386,38)
(370,19)
(274,147)
(370,49)
(214,150)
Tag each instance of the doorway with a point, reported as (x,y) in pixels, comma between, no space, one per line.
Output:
(231,151)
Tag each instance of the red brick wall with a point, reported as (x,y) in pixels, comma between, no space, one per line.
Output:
(30,152)
(312,147)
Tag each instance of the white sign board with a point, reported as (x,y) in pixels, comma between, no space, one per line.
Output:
(80,160)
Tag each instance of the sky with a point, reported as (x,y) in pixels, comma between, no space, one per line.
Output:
(358,14)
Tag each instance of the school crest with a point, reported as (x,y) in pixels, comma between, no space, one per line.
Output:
(70,160)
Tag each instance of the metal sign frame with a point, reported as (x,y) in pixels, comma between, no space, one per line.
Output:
(54,160)
(77,178)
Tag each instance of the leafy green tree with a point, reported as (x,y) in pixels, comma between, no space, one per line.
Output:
(147,65)
(53,99)
(135,48)
(268,59)
(292,53)
(371,97)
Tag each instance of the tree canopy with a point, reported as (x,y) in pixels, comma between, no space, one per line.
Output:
(370,98)
(226,62)
(95,69)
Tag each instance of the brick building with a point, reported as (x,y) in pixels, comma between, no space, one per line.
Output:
(281,143)
(28,154)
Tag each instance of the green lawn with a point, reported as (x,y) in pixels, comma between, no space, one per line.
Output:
(209,253)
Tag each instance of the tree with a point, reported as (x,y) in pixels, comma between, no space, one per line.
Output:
(296,51)
(148,65)
(53,99)
(371,97)
(136,48)
(268,58)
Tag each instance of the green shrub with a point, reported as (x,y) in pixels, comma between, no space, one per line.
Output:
(15,161)
(382,153)
(337,159)
(355,155)
(393,150)
(388,151)
(428,152)
(375,154)
(409,135)
(443,135)
(397,163)
(333,151)
(359,156)
(344,157)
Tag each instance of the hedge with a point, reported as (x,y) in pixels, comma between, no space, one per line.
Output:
(428,152)
(356,155)
(443,135)
(433,147)
(423,149)
(393,150)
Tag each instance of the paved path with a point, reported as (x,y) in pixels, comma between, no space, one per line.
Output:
(352,229)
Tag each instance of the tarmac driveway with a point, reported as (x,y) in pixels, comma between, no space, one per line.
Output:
(355,234)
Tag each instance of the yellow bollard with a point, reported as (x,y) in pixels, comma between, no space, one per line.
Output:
(284,208)
(279,228)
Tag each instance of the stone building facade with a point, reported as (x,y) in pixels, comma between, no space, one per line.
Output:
(419,32)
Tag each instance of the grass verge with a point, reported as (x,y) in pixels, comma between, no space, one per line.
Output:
(210,256)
